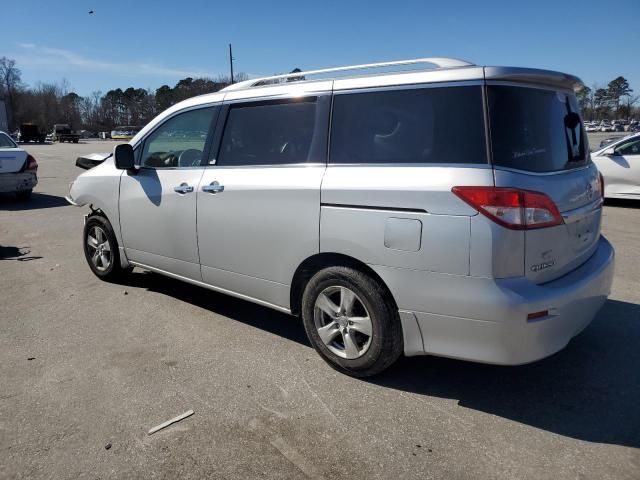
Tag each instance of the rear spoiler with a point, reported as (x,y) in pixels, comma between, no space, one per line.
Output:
(533,75)
(91,160)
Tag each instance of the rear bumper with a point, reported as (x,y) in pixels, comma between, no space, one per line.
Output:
(17,182)
(485,320)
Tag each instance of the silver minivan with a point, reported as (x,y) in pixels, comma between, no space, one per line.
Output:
(450,211)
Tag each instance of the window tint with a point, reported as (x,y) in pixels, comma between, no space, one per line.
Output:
(6,142)
(430,125)
(180,141)
(631,148)
(535,130)
(268,133)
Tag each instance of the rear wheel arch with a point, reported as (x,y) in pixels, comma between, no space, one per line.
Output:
(312,265)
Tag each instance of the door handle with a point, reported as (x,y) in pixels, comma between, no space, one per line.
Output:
(213,187)
(183,188)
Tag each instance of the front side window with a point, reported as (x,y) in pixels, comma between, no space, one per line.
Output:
(535,130)
(426,125)
(269,133)
(178,142)
(630,148)
(6,142)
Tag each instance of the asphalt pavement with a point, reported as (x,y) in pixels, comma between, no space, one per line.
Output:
(87,368)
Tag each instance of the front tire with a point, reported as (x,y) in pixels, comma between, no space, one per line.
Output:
(101,249)
(351,321)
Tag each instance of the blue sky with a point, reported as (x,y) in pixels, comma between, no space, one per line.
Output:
(150,43)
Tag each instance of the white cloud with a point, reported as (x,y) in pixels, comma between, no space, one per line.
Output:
(37,55)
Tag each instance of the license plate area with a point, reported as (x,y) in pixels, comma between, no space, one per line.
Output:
(584,230)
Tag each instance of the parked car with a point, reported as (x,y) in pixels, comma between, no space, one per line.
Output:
(18,169)
(30,132)
(592,127)
(352,203)
(619,163)
(63,132)
(609,140)
(126,132)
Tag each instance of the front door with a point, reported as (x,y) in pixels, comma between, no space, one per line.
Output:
(259,204)
(158,201)
(622,170)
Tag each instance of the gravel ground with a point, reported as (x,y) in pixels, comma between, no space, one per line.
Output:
(86,368)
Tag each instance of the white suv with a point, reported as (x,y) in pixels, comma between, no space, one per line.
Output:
(355,203)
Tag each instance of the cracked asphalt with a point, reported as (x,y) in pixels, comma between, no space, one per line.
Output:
(86,364)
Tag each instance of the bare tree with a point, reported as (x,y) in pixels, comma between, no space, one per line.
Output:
(10,77)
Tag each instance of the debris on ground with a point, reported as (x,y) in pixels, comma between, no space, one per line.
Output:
(186,414)
(108,446)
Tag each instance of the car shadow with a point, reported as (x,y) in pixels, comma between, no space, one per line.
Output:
(37,201)
(21,254)
(622,203)
(588,391)
(243,311)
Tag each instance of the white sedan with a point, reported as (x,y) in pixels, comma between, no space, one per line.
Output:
(18,169)
(619,163)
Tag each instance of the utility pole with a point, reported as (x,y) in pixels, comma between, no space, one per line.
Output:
(231,62)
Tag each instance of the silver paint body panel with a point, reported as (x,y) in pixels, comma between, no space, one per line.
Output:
(462,283)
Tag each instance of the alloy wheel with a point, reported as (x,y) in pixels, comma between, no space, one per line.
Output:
(343,322)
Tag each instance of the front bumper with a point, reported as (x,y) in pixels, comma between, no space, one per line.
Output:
(485,320)
(17,182)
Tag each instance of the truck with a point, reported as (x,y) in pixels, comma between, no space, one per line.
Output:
(30,132)
(62,132)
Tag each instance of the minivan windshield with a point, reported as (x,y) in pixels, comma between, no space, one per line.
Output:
(535,129)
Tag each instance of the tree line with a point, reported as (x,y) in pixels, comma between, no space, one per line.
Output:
(46,104)
(615,101)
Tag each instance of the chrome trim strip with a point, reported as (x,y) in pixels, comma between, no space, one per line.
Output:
(544,174)
(411,86)
(211,287)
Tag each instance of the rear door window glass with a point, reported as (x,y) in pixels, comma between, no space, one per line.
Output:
(421,125)
(535,130)
(269,133)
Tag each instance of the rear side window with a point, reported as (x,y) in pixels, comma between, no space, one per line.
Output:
(426,125)
(268,133)
(535,130)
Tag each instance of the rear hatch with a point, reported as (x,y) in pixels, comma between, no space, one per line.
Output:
(12,159)
(538,143)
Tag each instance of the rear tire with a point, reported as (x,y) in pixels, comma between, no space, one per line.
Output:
(101,249)
(351,321)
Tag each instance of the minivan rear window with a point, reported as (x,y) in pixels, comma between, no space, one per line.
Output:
(535,130)
(416,125)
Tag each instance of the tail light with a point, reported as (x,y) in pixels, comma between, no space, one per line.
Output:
(511,207)
(32,165)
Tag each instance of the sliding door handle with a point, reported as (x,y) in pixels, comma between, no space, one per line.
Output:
(213,187)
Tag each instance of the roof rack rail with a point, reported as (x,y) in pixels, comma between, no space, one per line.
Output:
(439,62)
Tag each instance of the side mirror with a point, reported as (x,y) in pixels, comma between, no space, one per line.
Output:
(123,155)
(609,152)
